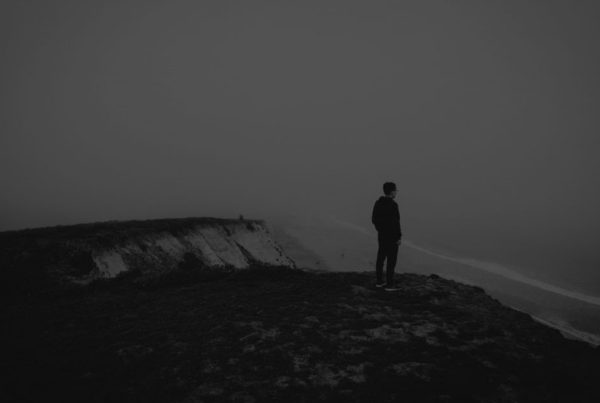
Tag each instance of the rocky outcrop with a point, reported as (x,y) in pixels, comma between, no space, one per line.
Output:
(80,254)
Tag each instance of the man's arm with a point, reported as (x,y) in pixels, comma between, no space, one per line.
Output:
(397,224)
(376,217)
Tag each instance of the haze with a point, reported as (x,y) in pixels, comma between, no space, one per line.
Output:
(485,115)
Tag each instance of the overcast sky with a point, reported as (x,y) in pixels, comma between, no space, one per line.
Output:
(486,114)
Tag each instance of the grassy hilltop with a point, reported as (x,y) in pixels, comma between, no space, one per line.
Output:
(274,334)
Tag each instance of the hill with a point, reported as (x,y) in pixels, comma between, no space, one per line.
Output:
(283,334)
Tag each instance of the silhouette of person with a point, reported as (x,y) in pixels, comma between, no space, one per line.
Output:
(386,218)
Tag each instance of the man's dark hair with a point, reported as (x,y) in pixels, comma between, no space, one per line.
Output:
(389,187)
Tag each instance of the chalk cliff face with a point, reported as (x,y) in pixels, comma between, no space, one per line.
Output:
(229,244)
(82,253)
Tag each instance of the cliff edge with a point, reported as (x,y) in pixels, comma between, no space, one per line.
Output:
(202,310)
(78,254)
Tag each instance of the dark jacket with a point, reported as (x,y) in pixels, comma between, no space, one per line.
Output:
(386,218)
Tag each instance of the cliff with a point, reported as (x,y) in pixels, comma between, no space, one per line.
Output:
(78,254)
(201,310)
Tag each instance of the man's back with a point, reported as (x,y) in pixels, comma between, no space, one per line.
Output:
(386,218)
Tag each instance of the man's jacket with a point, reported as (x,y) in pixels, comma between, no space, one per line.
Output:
(386,218)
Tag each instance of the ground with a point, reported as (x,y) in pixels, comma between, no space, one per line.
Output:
(278,334)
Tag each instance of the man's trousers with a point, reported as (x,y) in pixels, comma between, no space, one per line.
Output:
(388,250)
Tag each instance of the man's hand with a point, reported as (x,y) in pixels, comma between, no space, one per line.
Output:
(399,241)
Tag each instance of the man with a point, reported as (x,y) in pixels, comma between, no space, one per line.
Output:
(386,218)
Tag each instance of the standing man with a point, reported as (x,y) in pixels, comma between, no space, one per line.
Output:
(386,218)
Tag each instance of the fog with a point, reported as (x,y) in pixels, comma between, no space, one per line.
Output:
(485,115)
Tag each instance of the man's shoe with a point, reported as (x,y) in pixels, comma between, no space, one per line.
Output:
(391,288)
(379,285)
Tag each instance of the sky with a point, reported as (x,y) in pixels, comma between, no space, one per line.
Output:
(485,114)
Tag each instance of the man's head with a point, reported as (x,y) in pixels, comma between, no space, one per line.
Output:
(389,189)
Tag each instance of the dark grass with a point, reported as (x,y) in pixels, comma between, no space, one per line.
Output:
(237,334)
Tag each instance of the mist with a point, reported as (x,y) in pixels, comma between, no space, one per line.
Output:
(485,115)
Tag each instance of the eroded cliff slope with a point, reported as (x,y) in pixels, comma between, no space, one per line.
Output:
(79,254)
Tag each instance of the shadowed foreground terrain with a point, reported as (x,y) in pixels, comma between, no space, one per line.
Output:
(275,334)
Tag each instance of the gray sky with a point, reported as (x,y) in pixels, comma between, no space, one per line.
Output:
(486,114)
